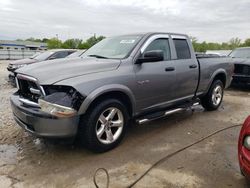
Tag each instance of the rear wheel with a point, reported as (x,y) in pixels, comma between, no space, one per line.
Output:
(104,125)
(213,98)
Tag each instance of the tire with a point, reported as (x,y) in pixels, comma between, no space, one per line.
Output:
(214,97)
(110,132)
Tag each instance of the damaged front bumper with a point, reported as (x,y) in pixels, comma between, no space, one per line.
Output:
(42,124)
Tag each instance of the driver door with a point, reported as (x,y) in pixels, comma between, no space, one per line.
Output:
(155,80)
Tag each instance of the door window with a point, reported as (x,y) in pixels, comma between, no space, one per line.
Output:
(160,44)
(182,49)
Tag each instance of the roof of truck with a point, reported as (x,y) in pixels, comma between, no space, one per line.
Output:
(154,33)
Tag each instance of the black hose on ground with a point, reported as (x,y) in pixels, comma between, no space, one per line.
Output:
(95,175)
(164,158)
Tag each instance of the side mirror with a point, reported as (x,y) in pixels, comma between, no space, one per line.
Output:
(151,56)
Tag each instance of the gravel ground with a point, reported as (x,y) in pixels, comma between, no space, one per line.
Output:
(26,161)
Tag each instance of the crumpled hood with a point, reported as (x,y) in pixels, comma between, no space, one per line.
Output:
(50,72)
(23,61)
(241,61)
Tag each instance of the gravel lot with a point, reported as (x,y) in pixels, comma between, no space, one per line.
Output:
(26,161)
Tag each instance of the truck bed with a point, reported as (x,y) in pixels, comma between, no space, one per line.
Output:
(209,67)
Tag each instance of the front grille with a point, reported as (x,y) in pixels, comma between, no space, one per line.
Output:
(242,69)
(25,87)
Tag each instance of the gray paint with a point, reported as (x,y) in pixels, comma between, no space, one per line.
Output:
(43,125)
(210,67)
(53,71)
(147,85)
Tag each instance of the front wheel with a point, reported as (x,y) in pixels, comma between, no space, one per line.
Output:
(104,125)
(213,98)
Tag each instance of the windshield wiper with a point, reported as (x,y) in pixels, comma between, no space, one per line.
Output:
(97,56)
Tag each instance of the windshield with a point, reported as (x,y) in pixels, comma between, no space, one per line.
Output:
(114,47)
(241,53)
(43,56)
(76,54)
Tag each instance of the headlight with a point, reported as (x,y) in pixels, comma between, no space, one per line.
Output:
(55,109)
(246,142)
(61,101)
(18,66)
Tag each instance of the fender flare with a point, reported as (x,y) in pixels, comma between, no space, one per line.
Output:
(217,72)
(103,90)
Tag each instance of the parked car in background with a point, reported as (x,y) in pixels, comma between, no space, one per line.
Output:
(78,53)
(242,65)
(221,53)
(244,149)
(48,55)
(33,56)
(141,77)
(203,55)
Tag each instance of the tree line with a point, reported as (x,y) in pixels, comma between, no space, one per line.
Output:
(230,45)
(198,46)
(55,43)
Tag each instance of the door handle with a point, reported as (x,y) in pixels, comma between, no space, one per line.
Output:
(167,69)
(192,66)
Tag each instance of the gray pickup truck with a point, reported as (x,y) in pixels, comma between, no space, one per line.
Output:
(138,77)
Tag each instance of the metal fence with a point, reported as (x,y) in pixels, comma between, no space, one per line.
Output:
(16,54)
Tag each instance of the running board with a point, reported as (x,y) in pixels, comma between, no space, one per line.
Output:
(162,114)
(154,117)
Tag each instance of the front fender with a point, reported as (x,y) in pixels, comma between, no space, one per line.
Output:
(106,89)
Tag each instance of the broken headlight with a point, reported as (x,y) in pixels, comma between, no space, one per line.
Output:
(61,101)
(55,109)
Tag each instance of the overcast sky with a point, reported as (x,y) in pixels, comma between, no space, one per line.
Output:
(210,20)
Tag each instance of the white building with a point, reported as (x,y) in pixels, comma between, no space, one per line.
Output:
(22,45)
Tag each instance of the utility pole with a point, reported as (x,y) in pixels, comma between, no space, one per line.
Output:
(57,40)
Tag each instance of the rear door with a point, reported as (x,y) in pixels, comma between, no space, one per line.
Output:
(155,81)
(187,70)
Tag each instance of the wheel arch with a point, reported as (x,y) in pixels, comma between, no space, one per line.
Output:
(218,75)
(116,91)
